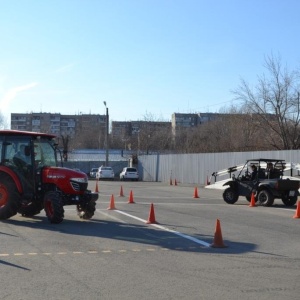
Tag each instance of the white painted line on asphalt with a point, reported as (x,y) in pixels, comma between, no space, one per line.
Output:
(109,215)
(130,216)
(183,235)
(166,229)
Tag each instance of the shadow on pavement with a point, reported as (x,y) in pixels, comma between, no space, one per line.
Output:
(132,233)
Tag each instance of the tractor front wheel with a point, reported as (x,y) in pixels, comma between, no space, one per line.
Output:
(53,207)
(87,210)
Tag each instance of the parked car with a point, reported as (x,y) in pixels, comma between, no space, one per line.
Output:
(105,173)
(129,174)
(93,172)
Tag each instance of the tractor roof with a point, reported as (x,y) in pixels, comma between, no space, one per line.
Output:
(26,133)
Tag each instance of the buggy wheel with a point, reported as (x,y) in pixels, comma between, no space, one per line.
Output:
(10,199)
(265,198)
(87,210)
(53,207)
(289,201)
(230,195)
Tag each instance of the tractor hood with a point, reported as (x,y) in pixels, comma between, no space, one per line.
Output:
(67,180)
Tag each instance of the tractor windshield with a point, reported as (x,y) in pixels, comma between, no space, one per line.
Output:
(44,153)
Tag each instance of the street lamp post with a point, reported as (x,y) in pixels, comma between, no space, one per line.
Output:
(106,135)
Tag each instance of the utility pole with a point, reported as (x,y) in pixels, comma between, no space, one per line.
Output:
(106,135)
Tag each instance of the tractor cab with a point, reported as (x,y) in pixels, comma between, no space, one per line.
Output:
(24,155)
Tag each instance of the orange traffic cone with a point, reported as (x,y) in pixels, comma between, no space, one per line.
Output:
(171,181)
(130,200)
(218,239)
(96,188)
(112,203)
(175,182)
(252,201)
(121,192)
(196,193)
(151,218)
(297,214)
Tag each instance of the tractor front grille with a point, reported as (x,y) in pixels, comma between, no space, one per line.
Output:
(78,186)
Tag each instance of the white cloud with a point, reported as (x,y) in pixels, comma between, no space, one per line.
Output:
(10,95)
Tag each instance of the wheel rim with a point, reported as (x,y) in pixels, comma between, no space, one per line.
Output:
(262,198)
(3,195)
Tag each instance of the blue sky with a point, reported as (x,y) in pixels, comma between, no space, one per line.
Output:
(146,58)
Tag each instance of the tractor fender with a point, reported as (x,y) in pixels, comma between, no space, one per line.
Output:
(14,177)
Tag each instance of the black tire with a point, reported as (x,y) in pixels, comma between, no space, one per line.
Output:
(30,210)
(53,207)
(289,201)
(10,199)
(265,198)
(87,210)
(230,195)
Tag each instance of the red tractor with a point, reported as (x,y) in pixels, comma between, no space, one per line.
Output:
(30,179)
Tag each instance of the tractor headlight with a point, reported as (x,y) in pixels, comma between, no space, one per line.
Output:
(79,180)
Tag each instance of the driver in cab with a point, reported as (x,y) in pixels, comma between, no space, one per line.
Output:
(23,155)
(250,175)
(253,175)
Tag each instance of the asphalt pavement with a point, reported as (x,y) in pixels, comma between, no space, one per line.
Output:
(154,244)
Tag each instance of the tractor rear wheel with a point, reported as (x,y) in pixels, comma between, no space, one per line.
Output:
(9,197)
(30,209)
(53,207)
(87,210)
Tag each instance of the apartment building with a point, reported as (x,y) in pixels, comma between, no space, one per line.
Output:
(189,120)
(90,129)
(133,128)
(57,124)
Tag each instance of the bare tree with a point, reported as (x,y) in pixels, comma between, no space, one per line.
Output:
(154,134)
(275,103)
(65,138)
(160,139)
(2,121)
